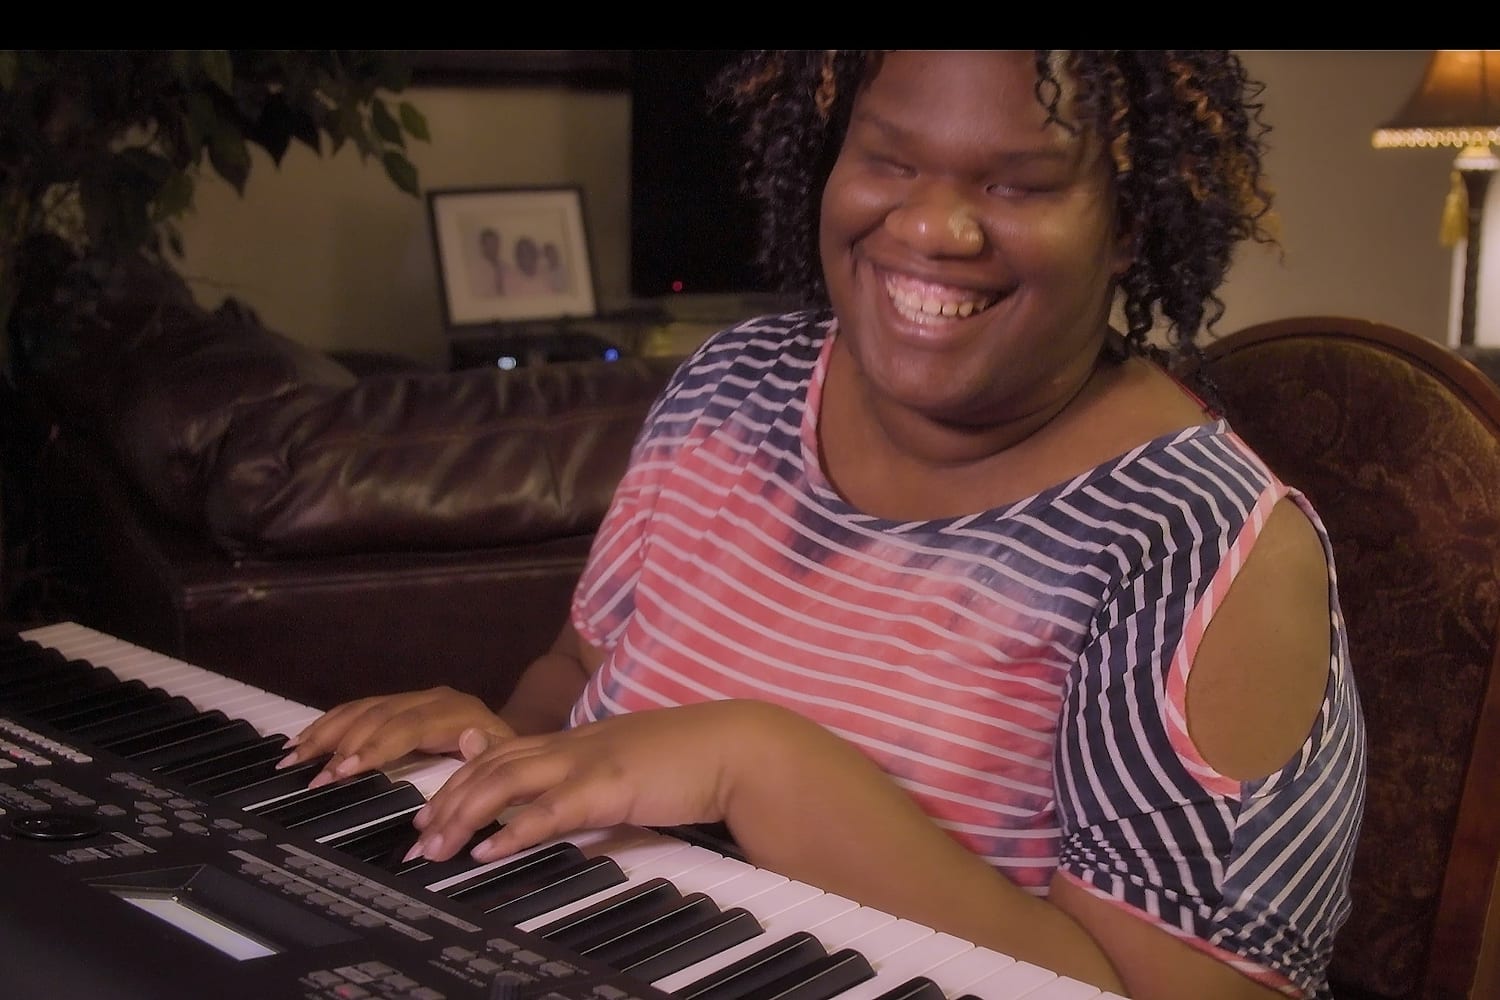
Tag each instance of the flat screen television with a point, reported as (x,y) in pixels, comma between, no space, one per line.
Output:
(692,231)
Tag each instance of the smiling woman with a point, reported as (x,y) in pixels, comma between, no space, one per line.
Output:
(947,568)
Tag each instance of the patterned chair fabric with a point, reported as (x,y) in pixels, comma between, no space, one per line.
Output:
(1396,439)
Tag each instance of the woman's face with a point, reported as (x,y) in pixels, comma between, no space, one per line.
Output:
(970,248)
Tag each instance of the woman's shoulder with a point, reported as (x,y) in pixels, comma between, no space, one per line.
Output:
(783,344)
(770,335)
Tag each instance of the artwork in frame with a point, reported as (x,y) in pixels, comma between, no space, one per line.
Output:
(512,253)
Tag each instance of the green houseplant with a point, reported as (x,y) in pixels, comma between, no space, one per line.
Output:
(100,151)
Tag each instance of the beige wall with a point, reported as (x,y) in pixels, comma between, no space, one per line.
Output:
(329,252)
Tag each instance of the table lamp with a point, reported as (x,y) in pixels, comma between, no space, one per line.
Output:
(1457,104)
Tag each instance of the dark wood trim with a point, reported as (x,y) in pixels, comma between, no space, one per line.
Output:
(581,69)
(1439,360)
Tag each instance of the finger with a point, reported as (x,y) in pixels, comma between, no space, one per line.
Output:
(473,742)
(363,735)
(388,729)
(322,734)
(478,772)
(526,826)
(477,794)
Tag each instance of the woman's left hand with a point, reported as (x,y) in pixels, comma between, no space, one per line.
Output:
(663,767)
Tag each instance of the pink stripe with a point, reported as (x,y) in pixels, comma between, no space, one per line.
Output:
(1175,704)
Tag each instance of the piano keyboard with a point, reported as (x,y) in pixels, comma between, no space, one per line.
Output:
(309,888)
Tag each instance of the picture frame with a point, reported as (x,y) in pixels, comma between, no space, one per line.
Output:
(511,253)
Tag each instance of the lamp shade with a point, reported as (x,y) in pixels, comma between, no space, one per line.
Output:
(1456,104)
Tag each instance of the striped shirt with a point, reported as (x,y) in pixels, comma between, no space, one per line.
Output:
(1020,671)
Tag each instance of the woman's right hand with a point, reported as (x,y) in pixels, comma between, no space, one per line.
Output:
(371,732)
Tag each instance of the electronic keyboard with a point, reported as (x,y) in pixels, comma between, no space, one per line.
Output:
(150,849)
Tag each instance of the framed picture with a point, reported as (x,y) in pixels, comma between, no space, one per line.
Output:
(511,254)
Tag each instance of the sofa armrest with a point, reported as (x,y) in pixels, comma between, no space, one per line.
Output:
(429,462)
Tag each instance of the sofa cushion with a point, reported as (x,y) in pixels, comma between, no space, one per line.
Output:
(429,461)
(164,378)
(184,390)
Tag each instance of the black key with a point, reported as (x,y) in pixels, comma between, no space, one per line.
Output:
(593,875)
(222,782)
(267,749)
(167,732)
(797,950)
(41,671)
(421,871)
(686,914)
(60,691)
(262,782)
(824,979)
(227,735)
(112,697)
(45,691)
(402,797)
(625,910)
(25,654)
(311,802)
(175,707)
(495,885)
(725,930)
(373,844)
(76,721)
(916,988)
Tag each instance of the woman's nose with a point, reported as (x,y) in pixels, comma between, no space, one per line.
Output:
(937,225)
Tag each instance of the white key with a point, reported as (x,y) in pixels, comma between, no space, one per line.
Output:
(1017,980)
(1063,988)
(960,973)
(883,942)
(710,877)
(848,928)
(741,889)
(913,960)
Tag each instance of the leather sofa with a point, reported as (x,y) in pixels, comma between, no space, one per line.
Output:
(199,484)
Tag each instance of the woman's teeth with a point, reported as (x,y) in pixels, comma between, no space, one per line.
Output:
(918,304)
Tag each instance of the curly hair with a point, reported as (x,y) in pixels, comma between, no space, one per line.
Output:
(1183,130)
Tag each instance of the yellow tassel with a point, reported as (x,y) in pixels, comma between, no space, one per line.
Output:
(1455,225)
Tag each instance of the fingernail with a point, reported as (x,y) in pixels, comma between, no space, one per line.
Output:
(414,853)
(287,761)
(347,766)
(320,779)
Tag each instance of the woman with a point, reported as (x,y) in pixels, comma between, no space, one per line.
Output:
(954,573)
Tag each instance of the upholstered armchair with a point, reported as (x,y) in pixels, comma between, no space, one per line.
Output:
(1396,439)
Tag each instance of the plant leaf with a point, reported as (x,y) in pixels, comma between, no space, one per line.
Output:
(229,155)
(175,197)
(414,121)
(385,123)
(218,67)
(401,172)
(272,131)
